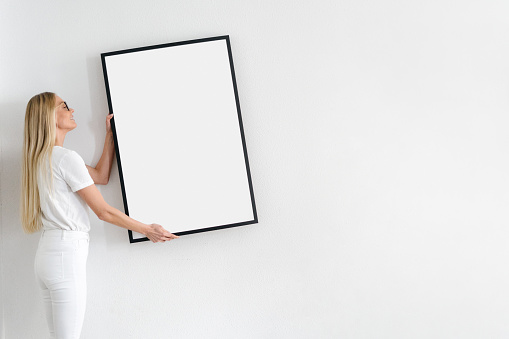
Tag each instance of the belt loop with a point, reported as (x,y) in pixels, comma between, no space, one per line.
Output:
(63,234)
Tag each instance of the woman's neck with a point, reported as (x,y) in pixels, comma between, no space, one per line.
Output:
(59,140)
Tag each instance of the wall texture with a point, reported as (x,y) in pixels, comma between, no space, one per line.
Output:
(378,145)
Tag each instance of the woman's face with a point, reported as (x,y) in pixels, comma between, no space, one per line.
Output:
(64,115)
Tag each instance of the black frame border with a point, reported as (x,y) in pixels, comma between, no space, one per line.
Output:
(237,101)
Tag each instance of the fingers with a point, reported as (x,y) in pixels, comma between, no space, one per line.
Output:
(170,235)
(160,234)
(165,238)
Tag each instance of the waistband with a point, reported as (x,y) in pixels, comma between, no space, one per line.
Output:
(64,234)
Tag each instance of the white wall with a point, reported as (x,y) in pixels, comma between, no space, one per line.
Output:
(378,144)
(2,326)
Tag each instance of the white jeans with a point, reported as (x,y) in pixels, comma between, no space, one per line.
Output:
(60,271)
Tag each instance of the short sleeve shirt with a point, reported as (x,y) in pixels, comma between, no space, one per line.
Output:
(64,209)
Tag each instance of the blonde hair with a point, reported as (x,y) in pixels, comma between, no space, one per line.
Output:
(38,141)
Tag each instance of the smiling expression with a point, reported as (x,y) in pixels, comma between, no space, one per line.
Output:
(63,116)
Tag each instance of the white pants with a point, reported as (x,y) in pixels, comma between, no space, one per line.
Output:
(60,271)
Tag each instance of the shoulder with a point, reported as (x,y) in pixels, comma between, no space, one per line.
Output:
(63,156)
(72,168)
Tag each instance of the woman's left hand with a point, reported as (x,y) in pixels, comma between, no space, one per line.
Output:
(108,123)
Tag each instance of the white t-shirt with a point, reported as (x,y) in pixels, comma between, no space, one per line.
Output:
(65,209)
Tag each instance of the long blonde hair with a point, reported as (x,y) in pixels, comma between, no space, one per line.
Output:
(38,141)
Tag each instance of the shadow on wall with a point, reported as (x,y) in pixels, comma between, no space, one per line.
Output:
(98,101)
(112,192)
(11,130)
(18,249)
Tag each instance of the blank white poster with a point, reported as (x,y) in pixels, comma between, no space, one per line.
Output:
(179,135)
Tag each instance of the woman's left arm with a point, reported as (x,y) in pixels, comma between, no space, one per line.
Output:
(101,173)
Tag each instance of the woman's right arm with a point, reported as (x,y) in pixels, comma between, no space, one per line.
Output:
(95,200)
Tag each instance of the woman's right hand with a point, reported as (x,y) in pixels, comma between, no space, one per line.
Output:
(157,233)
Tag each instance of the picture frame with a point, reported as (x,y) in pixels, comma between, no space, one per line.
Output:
(179,138)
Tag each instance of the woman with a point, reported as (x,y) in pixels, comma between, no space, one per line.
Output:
(56,187)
